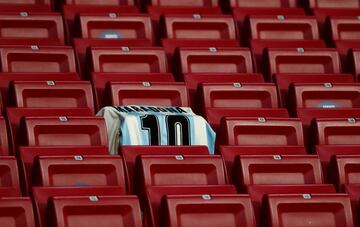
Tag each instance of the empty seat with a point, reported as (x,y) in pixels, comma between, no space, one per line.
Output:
(196,3)
(264,3)
(167,170)
(154,195)
(25,5)
(129,60)
(16,212)
(42,195)
(4,142)
(208,210)
(37,59)
(278,169)
(115,26)
(101,2)
(272,131)
(104,211)
(131,153)
(337,131)
(9,177)
(53,94)
(297,210)
(283,27)
(65,131)
(302,61)
(345,28)
(351,4)
(28,28)
(198,26)
(345,170)
(155,94)
(78,171)
(353,190)
(355,59)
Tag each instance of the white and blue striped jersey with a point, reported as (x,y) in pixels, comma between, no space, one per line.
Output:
(151,125)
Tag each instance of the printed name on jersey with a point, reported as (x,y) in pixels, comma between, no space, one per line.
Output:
(155,109)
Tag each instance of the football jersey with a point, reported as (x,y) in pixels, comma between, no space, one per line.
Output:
(151,125)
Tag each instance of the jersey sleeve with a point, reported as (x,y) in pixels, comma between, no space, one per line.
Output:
(113,128)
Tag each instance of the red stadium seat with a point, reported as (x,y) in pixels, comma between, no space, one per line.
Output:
(297,210)
(16,212)
(155,94)
(355,59)
(345,170)
(277,169)
(97,210)
(345,28)
(208,210)
(115,26)
(78,171)
(353,190)
(4,142)
(199,27)
(264,3)
(41,196)
(350,4)
(272,131)
(129,60)
(337,131)
(65,131)
(37,59)
(154,195)
(9,177)
(53,94)
(28,28)
(167,170)
(302,61)
(193,3)
(25,6)
(131,153)
(101,2)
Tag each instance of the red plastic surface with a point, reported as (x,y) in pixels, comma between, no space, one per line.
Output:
(199,27)
(79,171)
(75,131)
(28,154)
(337,131)
(265,3)
(229,153)
(272,131)
(346,170)
(9,176)
(192,3)
(34,28)
(131,153)
(329,210)
(41,195)
(167,170)
(4,140)
(353,4)
(132,60)
(45,59)
(25,6)
(219,210)
(355,59)
(157,94)
(283,170)
(302,61)
(101,2)
(106,211)
(283,81)
(345,28)
(16,212)
(353,190)
(154,194)
(53,95)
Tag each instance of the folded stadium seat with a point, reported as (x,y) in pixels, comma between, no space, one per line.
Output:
(154,195)
(16,212)
(345,170)
(167,170)
(198,27)
(131,153)
(28,28)
(129,60)
(101,2)
(344,28)
(284,80)
(9,177)
(65,131)
(258,47)
(78,171)
(115,26)
(83,53)
(53,94)
(297,210)
(99,81)
(229,154)
(41,196)
(4,142)
(94,210)
(174,3)
(27,156)
(208,210)
(337,131)
(25,6)
(302,61)
(277,170)
(323,96)
(355,58)
(153,94)
(214,60)
(344,47)
(353,190)
(330,4)
(37,59)
(241,131)
(265,4)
